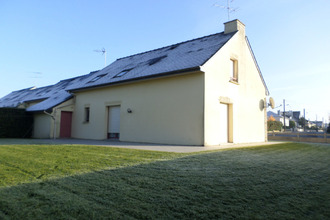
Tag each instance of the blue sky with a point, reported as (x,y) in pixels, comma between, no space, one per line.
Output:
(43,42)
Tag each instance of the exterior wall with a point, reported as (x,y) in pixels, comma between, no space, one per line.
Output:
(287,121)
(41,125)
(65,106)
(44,124)
(247,119)
(168,110)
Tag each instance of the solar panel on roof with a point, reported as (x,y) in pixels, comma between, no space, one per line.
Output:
(155,60)
(122,73)
(97,78)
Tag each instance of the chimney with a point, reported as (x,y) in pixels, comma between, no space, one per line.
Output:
(234,25)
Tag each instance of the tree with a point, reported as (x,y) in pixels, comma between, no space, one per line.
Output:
(271,118)
(292,124)
(302,121)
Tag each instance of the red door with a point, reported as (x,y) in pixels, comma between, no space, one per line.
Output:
(65,128)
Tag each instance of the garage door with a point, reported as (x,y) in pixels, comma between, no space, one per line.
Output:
(114,122)
(223,123)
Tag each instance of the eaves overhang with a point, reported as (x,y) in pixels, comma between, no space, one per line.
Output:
(154,76)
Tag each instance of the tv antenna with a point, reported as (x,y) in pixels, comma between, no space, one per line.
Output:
(228,8)
(104,52)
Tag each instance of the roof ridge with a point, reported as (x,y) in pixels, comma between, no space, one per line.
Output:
(29,88)
(170,45)
(76,77)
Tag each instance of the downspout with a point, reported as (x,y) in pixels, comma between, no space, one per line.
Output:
(54,118)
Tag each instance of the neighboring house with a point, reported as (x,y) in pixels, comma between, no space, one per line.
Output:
(290,116)
(318,124)
(278,117)
(205,91)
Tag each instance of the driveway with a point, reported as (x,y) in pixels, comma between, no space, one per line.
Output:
(132,145)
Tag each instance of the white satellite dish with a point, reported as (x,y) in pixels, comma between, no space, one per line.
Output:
(271,103)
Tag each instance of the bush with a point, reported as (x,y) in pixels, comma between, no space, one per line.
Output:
(292,124)
(15,123)
(274,125)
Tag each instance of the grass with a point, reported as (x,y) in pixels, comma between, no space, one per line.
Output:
(28,163)
(286,181)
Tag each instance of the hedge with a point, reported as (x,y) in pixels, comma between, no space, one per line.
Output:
(15,123)
(274,125)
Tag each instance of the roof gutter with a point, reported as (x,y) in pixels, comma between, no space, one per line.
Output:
(171,73)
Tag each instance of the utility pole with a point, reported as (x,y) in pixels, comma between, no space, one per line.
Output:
(304,120)
(284,112)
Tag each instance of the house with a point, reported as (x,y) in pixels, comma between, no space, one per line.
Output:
(205,91)
(318,124)
(291,115)
(277,117)
(42,102)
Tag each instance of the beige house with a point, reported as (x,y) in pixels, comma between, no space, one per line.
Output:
(205,91)
(201,92)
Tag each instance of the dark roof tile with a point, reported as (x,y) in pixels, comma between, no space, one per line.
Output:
(186,55)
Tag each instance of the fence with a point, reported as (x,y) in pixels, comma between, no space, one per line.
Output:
(15,123)
(316,137)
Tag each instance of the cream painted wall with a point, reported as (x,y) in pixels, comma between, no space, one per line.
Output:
(44,124)
(56,111)
(166,110)
(41,125)
(248,121)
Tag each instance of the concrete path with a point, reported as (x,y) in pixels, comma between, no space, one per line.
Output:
(131,145)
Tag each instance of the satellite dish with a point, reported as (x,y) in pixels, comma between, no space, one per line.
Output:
(271,103)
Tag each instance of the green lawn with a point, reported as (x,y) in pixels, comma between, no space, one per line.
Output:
(28,163)
(287,181)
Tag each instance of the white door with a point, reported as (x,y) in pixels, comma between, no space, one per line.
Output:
(114,122)
(223,123)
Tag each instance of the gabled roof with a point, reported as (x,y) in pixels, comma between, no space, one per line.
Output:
(257,65)
(270,113)
(48,96)
(50,102)
(185,56)
(15,98)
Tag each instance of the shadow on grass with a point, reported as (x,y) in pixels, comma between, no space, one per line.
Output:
(268,182)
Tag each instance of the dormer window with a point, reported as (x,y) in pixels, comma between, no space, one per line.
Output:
(122,73)
(233,70)
(96,78)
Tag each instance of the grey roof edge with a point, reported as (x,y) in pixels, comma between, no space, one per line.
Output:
(234,33)
(170,45)
(75,77)
(29,88)
(52,106)
(34,100)
(256,63)
(193,69)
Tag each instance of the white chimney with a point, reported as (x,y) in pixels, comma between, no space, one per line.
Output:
(234,25)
